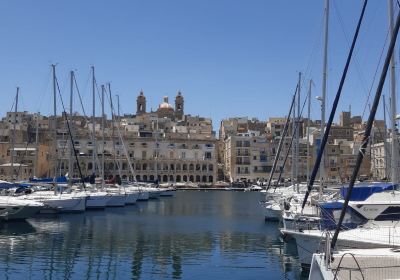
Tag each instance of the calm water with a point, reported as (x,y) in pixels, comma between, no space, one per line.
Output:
(194,235)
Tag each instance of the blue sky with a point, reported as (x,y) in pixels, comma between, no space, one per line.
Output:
(228,57)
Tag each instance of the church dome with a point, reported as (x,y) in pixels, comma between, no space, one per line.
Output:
(165,104)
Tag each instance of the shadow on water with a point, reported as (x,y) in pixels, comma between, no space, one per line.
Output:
(195,235)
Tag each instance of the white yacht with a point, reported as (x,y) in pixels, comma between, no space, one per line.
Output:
(16,208)
(59,203)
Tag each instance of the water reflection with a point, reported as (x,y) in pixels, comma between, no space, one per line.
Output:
(196,235)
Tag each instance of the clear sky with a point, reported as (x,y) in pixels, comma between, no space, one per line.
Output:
(228,57)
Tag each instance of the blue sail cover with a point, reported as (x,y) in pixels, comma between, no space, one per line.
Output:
(61,179)
(363,191)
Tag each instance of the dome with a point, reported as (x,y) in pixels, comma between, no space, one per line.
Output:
(165,104)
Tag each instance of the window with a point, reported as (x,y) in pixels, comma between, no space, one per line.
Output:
(144,154)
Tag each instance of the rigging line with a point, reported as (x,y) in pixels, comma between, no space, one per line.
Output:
(291,142)
(46,87)
(80,97)
(375,74)
(70,136)
(359,72)
(13,104)
(334,108)
(317,40)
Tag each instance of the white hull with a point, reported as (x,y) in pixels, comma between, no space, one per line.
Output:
(97,201)
(131,197)
(154,194)
(313,241)
(272,212)
(12,208)
(116,200)
(143,196)
(168,192)
(63,205)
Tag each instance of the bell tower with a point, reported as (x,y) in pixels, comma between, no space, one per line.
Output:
(179,105)
(140,104)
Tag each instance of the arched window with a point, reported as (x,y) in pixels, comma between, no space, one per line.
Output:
(165,166)
(197,167)
(184,167)
(137,177)
(197,178)
(165,178)
(191,178)
(144,177)
(204,167)
(184,178)
(204,179)
(171,178)
(178,167)
(171,166)
(144,166)
(210,179)
(178,178)
(211,167)
(151,177)
(191,167)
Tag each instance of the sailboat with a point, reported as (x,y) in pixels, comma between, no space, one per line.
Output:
(373,234)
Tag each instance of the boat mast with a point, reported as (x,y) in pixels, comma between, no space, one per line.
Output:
(368,128)
(297,147)
(94,122)
(70,159)
(280,145)
(54,121)
(324,77)
(36,146)
(102,134)
(13,136)
(113,130)
(385,139)
(394,148)
(333,110)
(293,161)
(308,128)
(157,153)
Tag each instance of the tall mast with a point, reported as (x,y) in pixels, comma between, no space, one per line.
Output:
(385,139)
(36,147)
(118,107)
(102,134)
(54,121)
(13,136)
(119,146)
(308,128)
(94,122)
(298,135)
(70,159)
(367,132)
(394,148)
(113,130)
(157,153)
(324,77)
(280,145)
(324,139)
(293,181)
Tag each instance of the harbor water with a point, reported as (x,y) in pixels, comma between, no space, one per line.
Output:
(193,235)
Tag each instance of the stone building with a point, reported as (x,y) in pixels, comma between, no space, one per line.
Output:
(165,145)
